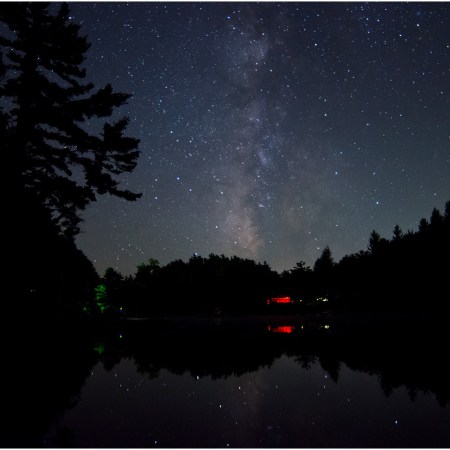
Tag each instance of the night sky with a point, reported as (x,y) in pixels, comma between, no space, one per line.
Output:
(270,130)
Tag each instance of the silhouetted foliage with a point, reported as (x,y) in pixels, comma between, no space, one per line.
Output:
(47,273)
(404,273)
(202,285)
(423,225)
(50,147)
(45,366)
(59,150)
(397,233)
(324,273)
(298,282)
(447,213)
(436,219)
(325,263)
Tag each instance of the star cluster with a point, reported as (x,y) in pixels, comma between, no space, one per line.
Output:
(270,130)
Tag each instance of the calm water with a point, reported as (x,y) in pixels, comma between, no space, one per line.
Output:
(215,384)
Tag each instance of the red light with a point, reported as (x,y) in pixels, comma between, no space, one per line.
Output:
(281,300)
(286,329)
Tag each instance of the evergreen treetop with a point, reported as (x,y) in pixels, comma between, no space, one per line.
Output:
(48,108)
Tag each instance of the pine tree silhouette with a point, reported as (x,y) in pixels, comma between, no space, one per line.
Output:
(60,151)
(48,146)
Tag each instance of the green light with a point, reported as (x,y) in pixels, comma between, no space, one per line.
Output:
(100,292)
(102,306)
(100,348)
(100,297)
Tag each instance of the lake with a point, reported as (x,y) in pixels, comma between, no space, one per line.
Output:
(254,382)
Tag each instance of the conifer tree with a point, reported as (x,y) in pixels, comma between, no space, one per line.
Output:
(374,242)
(397,233)
(325,262)
(48,110)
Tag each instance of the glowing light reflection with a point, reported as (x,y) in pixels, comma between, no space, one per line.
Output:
(285,329)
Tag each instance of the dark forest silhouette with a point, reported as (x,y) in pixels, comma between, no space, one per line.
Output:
(59,150)
(404,273)
(62,151)
(42,377)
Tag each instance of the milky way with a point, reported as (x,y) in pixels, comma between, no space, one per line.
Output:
(269,131)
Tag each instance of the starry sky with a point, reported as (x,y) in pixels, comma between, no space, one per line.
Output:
(270,130)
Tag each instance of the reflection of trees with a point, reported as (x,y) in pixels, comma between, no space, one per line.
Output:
(331,365)
(306,361)
(393,351)
(43,370)
(410,354)
(201,349)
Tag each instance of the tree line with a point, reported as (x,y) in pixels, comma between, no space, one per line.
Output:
(406,272)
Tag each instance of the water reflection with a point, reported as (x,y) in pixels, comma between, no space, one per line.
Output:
(245,383)
(284,329)
(44,368)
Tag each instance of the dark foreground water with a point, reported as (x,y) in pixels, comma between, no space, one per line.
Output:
(278,382)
